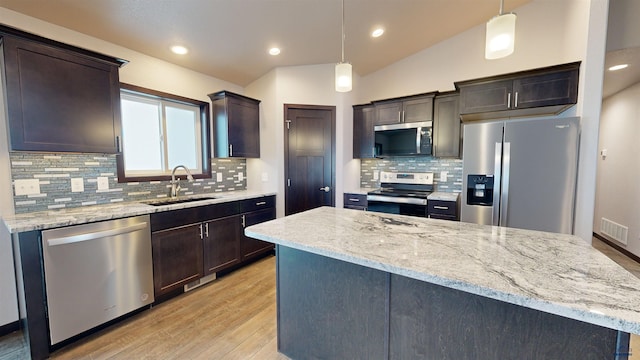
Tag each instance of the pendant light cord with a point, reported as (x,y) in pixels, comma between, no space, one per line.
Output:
(501,7)
(342,31)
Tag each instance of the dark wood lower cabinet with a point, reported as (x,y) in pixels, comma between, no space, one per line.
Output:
(177,257)
(251,247)
(222,243)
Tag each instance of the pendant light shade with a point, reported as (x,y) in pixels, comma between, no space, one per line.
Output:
(501,34)
(343,77)
(343,69)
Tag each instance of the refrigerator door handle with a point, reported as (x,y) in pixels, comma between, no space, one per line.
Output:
(495,210)
(506,164)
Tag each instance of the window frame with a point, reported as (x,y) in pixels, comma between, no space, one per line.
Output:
(205,136)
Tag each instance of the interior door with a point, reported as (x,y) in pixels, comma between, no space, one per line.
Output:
(309,157)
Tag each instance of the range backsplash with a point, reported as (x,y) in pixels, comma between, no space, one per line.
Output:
(54,172)
(453,167)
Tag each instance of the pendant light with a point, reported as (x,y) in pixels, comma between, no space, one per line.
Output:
(343,69)
(501,33)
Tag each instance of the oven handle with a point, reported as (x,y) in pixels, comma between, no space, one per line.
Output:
(398,200)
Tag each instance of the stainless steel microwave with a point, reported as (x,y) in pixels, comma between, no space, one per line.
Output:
(406,139)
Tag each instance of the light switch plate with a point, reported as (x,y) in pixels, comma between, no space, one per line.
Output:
(218,177)
(443,176)
(77,184)
(103,183)
(240,176)
(376,174)
(27,187)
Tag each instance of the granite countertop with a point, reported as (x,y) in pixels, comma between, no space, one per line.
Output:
(443,196)
(81,215)
(555,273)
(359,191)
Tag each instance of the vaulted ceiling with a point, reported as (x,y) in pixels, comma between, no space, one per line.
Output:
(229,39)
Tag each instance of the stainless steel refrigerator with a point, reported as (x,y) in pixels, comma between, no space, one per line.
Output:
(521,173)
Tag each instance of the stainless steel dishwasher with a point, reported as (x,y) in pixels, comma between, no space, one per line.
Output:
(95,273)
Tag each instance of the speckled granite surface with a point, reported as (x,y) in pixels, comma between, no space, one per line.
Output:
(554,273)
(359,191)
(64,217)
(443,196)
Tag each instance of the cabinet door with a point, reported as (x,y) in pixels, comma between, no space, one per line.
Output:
(446,127)
(363,136)
(251,247)
(417,110)
(221,244)
(58,100)
(557,88)
(388,113)
(177,257)
(486,97)
(244,128)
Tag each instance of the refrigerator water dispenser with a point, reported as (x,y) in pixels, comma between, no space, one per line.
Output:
(480,190)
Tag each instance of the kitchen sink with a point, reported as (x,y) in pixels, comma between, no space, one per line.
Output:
(177,200)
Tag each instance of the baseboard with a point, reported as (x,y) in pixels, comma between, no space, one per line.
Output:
(9,328)
(626,252)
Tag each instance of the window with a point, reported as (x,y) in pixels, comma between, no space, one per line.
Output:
(159,132)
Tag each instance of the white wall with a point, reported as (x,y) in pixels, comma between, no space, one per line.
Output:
(307,85)
(618,191)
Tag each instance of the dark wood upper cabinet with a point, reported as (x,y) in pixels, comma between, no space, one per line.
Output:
(544,91)
(409,109)
(59,98)
(363,138)
(236,125)
(446,125)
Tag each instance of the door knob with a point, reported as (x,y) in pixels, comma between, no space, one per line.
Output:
(325,189)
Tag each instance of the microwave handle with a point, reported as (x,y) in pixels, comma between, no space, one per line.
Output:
(418,140)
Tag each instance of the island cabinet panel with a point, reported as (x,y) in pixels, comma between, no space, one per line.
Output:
(428,321)
(58,99)
(236,120)
(177,257)
(363,136)
(222,243)
(329,309)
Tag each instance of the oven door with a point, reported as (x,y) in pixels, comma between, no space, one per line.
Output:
(396,206)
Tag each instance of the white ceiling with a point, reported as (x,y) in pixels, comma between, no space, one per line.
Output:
(229,39)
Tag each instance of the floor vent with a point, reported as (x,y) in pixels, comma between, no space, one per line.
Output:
(195,284)
(614,230)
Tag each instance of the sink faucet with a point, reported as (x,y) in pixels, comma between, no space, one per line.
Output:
(175,183)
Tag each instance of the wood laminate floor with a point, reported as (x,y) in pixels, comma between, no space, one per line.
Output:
(232,318)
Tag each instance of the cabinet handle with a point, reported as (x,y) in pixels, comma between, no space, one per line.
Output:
(515,105)
(402,115)
(118,144)
(354,199)
(201,237)
(399,116)
(509,101)
(261,203)
(230,149)
(243,221)
(373,151)
(441,207)
(206,229)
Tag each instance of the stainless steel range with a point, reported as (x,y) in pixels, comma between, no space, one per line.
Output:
(401,193)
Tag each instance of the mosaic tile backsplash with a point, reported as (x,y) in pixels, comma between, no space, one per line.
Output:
(55,171)
(370,169)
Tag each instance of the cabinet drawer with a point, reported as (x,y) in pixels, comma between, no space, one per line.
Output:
(352,201)
(257,204)
(443,217)
(439,207)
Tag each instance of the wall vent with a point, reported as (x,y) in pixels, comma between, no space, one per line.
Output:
(614,230)
(202,281)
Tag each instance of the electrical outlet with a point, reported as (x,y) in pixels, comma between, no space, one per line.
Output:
(27,187)
(443,176)
(265,177)
(240,176)
(376,174)
(77,184)
(103,183)
(218,177)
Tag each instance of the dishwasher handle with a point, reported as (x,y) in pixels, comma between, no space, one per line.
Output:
(96,235)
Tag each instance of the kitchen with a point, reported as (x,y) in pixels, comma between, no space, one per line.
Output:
(414,78)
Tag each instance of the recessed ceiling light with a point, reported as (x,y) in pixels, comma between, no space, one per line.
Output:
(618,67)
(377,32)
(180,50)
(274,51)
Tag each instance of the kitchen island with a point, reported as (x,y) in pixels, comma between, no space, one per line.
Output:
(364,285)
